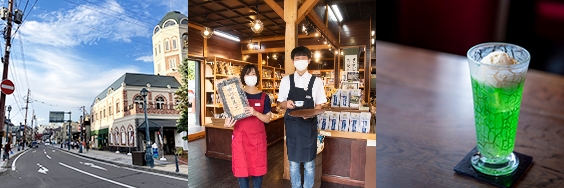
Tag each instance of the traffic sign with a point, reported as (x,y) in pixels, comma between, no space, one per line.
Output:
(7,86)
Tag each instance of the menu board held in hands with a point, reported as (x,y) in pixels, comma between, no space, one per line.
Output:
(233,98)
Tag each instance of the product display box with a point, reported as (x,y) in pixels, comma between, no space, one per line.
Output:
(233,98)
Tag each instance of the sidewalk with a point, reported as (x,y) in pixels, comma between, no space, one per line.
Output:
(5,165)
(167,167)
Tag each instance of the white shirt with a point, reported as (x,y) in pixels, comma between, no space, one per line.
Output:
(317,92)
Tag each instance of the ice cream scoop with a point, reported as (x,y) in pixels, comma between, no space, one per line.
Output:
(500,76)
(499,58)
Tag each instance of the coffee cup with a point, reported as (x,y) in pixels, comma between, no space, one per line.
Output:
(299,103)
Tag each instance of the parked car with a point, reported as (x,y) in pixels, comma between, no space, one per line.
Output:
(34,144)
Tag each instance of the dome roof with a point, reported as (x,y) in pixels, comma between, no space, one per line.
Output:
(175,15)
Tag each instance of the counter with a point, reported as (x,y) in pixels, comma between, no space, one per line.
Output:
(218,138)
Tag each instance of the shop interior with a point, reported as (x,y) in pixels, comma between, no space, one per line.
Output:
(223,36)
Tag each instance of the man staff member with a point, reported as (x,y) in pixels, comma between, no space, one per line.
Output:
(301,90)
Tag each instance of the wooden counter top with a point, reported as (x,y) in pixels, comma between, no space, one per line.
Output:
(231,128)
(351,135)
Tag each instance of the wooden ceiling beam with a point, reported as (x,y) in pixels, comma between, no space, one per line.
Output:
(305,9)
(276,38)
(314,18)
(274,6)
(281,49)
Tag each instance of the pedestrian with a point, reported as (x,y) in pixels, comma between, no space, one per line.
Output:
(7,149)
(249,136)
(301,90)
(87,146)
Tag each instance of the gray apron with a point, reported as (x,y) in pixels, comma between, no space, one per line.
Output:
(301,134)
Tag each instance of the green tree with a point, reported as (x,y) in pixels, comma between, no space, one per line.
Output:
(182,96)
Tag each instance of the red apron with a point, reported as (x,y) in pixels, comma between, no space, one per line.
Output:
(249,144)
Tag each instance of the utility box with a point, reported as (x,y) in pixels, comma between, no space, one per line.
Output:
(138,158)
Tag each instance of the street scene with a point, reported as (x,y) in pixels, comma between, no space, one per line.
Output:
(49,166)
(94,93)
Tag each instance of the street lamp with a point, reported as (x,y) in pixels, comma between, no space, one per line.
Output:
(9,109)
(80,137)
(148,155)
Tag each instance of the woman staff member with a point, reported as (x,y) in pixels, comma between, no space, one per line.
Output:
(249,136)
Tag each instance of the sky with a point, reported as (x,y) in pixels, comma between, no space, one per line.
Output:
(66,52)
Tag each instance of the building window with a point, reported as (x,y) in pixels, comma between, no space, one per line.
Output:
(157,28)
(104,113)
(156,50)
(159,48)
(117,107)
(172,63)
(110,110)
(167,45)
(169,23)
(160,102)
(174,46)
(138,101)
(184,21)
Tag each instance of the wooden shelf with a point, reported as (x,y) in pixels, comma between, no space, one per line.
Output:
(213,63)
(214,106)
(224,75)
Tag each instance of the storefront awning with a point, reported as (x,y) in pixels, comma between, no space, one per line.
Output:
(99,132)
(155,124)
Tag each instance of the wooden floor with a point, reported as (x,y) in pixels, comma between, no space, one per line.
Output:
(211,172)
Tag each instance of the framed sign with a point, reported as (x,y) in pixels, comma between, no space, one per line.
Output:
(349,85)
(56,117)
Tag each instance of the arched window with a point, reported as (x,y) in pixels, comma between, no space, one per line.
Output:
(167,45)
(117,107)
(157,28)
(174,45)
(138,101)
(184,21)
(169,23)
(160,102)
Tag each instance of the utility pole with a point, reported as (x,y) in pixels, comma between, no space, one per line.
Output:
(80,139)
(5,60)
(25,120)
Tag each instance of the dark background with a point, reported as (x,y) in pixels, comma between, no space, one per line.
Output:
(455,26)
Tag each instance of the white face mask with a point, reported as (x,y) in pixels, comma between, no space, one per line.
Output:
(301,64)
(251,80)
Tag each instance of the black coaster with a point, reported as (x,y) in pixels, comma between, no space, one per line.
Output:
(464,167)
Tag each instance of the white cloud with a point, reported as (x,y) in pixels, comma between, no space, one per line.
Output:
(147,58)
(85,24)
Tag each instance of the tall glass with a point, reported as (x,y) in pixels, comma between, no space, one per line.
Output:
(497,91)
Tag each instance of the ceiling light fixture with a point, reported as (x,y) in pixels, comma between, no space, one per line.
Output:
(227,36)
(251,46)
(206,32)
(274,56)
(337,12)
(257,26)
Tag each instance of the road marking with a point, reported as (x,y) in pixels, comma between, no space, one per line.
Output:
(42,169)
(48,156)
(33,151)
(14,162)
(123,167)
(93,175)
(53,151)
(93,165)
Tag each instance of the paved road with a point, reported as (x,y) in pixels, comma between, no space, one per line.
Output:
(47,166)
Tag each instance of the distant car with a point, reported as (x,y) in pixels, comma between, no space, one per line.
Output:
(34,144)
(47,143)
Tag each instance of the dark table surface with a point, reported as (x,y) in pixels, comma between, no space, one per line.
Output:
(425,123)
